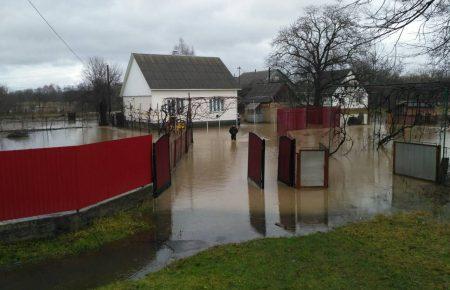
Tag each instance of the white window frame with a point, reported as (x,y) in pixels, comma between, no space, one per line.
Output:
(216,104)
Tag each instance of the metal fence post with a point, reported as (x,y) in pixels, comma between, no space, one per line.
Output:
(444,152)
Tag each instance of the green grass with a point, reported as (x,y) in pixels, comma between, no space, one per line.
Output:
(405,251)
(102,231)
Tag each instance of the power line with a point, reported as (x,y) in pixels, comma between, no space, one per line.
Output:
(56,33)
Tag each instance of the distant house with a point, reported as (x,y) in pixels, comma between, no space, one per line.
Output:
(262,92)
(154,80)
(415,111)
(345,91)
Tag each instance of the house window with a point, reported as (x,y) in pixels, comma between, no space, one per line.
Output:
(216,105)
(170,106)
(180,105)
(175,106)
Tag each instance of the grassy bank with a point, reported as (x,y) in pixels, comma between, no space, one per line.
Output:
(101,232)
(403,251)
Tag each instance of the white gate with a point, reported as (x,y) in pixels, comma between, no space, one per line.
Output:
(312,168)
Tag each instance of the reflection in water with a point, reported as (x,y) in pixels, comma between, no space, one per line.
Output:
(210,202)
(412,194)
(257,210)
(163,218)
(312,207)
(306,208)
(287,208)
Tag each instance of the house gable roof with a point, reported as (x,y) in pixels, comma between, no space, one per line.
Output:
(247,79)
(176,72)
(270,89)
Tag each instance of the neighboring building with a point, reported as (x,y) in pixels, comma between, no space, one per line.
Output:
(262,92)
(154,80)
(414,112)
(347,93)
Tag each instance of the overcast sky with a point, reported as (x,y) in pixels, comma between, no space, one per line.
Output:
(239,32)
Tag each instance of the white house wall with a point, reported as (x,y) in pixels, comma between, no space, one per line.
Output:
(140,105)
(351,97)
(203,112)
(135,83)
(136,107)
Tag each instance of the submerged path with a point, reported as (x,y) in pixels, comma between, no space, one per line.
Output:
(210,202)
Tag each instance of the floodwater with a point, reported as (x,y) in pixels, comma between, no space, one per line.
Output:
(211,202)
(77,135)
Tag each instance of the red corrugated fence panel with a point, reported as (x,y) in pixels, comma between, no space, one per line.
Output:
(37,181)
(161,156)
(330,116)
(107,170)
(314,115)
(286,160)
(49,180)
(290,119)
(256,153)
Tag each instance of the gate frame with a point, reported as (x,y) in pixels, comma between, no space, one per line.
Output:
(298,183)
(158,191)
(438,160)
(292,160)
(263,154)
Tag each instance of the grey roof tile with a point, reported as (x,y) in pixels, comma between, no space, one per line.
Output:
(184,72)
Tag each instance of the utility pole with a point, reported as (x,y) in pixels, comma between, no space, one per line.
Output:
(239,74)
(109,90)
(445,121)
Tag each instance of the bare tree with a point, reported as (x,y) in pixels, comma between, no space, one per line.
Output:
(405,107)
(182,48)
(324,39)
(375,65)
(392,17)
(3,96)
(99,76)
(3,101)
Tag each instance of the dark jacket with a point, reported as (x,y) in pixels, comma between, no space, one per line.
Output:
(233,130)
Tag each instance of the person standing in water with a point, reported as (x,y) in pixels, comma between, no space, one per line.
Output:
(233,131)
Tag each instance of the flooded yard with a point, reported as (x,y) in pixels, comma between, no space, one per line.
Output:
(77,134)
(210,202)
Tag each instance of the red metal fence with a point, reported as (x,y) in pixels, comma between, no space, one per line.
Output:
(299,118)
(286,160)
(331,117)
(256,157)
(179,145)
(314,115)
(290,119)
(161,165)
(44,181)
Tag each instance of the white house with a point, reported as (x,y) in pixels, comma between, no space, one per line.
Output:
(347,93)
(154,80)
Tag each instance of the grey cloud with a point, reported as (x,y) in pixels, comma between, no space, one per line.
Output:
(237,31)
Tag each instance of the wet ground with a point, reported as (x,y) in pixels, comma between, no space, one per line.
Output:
(210,202)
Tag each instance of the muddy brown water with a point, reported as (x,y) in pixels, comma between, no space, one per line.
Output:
(210,202)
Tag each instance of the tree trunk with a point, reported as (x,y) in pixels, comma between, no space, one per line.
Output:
(102,110)
(317,93)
